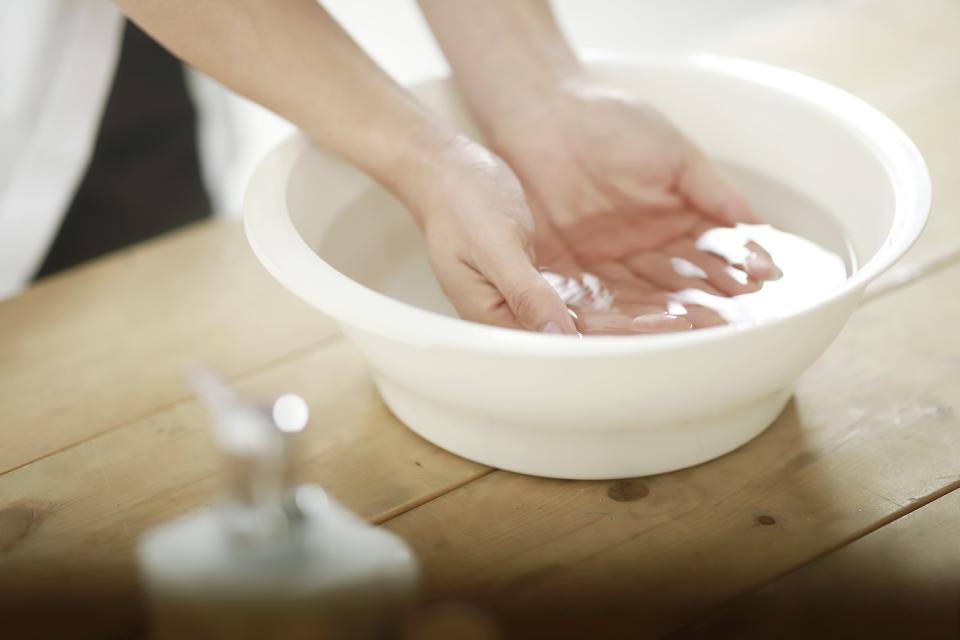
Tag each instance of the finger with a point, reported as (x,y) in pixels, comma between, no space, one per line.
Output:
(581,291)
(604,324)
(759,265)
(635,310)
(474,298)
(669,275)
(626,285)
(533,302)
(665,307)
(643,295)
(749,257)
(661,323)
(710,192)
(630,291)
(624,324)
(727,279)
(703,317)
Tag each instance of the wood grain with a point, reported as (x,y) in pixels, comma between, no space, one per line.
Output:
(68,522)
(901,581)
(872,433)
(94,348)
(103,492)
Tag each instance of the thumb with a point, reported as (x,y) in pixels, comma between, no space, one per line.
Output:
(704,186)
(534,303)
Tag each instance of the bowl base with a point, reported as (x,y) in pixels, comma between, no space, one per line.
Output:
(582,454)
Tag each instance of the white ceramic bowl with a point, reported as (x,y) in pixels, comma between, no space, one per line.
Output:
(601,407)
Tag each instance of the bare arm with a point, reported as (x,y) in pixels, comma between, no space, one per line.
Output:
(535,103)
(605,173)
(508,56)
(293,58)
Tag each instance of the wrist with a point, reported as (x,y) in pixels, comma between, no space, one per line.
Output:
(536,108)
(421,175)
(543,122)
(522,100)
(402,154)
(407,171)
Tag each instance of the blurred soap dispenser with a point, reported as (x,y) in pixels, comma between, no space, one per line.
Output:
(271,559)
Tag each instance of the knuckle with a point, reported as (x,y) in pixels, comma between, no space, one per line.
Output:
(518,221)
(525,302)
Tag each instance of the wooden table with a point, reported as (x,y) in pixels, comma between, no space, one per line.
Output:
(841,519)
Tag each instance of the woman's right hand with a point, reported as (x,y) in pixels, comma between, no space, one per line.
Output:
(479,234)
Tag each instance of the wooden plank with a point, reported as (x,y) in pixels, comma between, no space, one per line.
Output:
(68,522)
(99,346)
(872,433)
(901,581)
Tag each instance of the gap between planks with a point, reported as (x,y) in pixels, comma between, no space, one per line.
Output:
(866,531)
(899,278)
(290,356)
(429,497)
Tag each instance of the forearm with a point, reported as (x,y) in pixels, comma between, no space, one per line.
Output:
(508,56)
(293,58)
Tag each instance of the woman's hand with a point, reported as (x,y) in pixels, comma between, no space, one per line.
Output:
(601,164)
(620,194)
(478,230)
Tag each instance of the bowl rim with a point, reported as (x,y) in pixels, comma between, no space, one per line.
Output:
(279,246)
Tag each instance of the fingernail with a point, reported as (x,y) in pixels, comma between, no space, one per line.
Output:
(761,267)
(551,327)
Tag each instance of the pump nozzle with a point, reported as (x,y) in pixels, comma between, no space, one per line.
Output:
(256,452)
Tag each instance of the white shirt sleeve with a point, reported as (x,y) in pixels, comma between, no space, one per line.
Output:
(57,60)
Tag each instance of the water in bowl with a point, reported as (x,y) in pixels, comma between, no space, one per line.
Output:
(808,245)
(375,242)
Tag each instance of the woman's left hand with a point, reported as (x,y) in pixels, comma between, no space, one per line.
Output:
(619,192)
